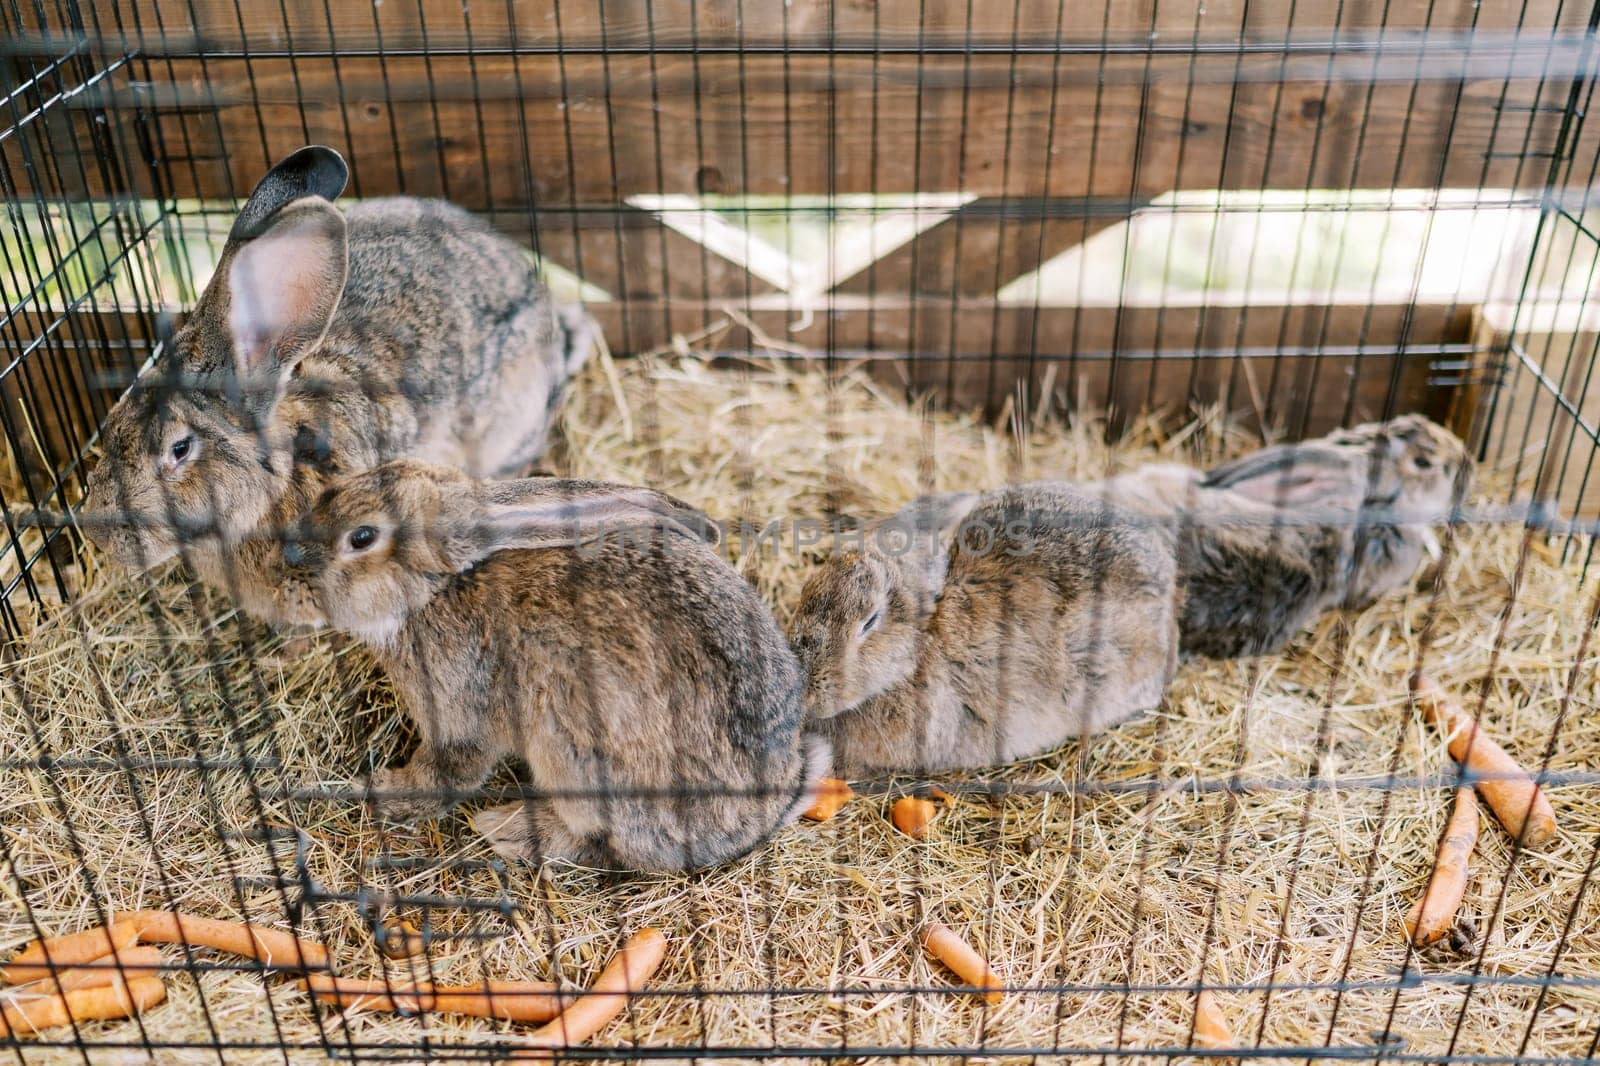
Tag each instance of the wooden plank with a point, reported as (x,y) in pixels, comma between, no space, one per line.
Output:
(54,150)
(494,132)
(982,328)
(632,254)
(969,354)
(1337,363)
(312,25)
(977,250)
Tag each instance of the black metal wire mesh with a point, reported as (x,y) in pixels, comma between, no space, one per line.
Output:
(664,160)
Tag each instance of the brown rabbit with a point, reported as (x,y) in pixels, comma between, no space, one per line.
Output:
(1267,543)
(328,341)
(642,679)
(971,630)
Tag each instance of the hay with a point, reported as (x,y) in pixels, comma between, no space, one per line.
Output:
(1128,884)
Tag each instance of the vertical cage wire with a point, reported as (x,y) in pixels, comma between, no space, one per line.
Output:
(646,151)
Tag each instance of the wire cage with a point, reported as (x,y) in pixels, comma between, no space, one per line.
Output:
(841,255)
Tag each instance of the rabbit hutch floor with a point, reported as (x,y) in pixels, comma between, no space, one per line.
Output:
(1192,847)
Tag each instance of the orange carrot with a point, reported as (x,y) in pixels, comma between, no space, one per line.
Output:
(966,963)
(271,946)
(1515,799)
(126,963)
(370,993)
(120,999)
(1210,1024)
(627,971)
(275,947)
(832,794)
(1434,914)
(513,1001)
(401,940)
(911,815)
(43,957)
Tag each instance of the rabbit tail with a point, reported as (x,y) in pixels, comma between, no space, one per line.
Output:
(816,760)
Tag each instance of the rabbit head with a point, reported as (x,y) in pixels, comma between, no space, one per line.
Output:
(1288,532)
(192,449)
(859,628)
(380,544)
(1423,468)
(1409,466)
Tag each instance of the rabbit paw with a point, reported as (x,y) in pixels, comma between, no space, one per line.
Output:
(518,834)
(506,829)
(399,796)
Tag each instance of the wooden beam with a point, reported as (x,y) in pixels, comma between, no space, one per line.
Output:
(978,249)
(311,25)
(1300,368)
(494,132)
(631,254)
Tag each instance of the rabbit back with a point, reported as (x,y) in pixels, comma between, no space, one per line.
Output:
(1057,619)
(446,346)
(648,688)
(1251,584)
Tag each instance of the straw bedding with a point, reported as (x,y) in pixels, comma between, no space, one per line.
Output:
(1160,879)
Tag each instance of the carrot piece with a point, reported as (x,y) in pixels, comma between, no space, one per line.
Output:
(1511,793)
(401,940)
(1434,913)
(512,1001)
(832,794)
(43,957)
(911,815)
(127,963)
(628,969)
(271,946)
(120,999)
(1210,1024)
(967,964)
(370,993)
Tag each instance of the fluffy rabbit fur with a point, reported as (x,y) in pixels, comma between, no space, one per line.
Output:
(1269,542)
(643,681)
(1014,621)
(328,341)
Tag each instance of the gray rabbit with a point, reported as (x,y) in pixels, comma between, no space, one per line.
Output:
(1269,542)
(975,629)
(328,341)
(642,679)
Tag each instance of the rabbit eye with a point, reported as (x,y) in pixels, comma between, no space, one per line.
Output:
(363,537)
(182,447)
(870,624)
(1423,462)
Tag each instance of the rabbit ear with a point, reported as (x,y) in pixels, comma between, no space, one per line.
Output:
(924,525)
(1290,475)
(941,513)
(934,516)
(283,286)
(558,512)
(311,171)
(918,538)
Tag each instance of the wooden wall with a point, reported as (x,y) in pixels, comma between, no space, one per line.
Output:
(1059,118)
(1544,423)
